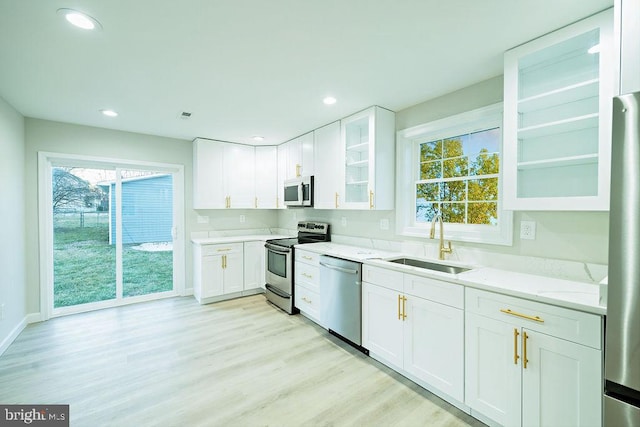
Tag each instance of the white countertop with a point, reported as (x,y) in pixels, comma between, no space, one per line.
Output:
(560,292)
(235,239)
(351,253)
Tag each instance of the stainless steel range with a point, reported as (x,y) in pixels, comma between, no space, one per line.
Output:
(279,262)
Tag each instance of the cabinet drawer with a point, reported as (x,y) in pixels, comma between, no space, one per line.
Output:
(434,290)
(221,249)
(308,302)
(307,275)
(383,277)
(307,257)
(571,325)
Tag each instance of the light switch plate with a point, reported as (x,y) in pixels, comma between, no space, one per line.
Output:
(242,219)
(343,221)
(203,219)
(527,230)
(384,224)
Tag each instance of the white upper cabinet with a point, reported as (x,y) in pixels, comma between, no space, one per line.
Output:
(557,118)
(208,175)
(227,175)
(282,175)
(299,156)
(329,179)
(240,175)
(628,12)
(266,170)
(368,140)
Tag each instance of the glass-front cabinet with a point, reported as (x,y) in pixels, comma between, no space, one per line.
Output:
(368,141)
(557,118)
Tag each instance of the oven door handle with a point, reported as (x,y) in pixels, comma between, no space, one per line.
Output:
(278,249)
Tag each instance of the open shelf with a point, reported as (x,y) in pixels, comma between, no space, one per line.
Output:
(560,126)
(586,89)
(358,164)
(559,162)
(363,146)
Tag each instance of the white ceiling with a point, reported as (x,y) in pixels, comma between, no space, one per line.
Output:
(256,67)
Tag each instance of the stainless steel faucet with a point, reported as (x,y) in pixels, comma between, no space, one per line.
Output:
(432,235)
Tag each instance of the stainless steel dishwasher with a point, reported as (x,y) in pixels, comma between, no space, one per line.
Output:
(341,298)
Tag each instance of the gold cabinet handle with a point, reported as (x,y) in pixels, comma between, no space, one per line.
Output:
(515,346)
(337,196)
(309,276)
(224,261)
(298,167)
(277,202)
(399,302)
(525,337)
(223,249)
(308,301)
(255,203)
(370,199)
(307,257)
(524,316)
(404,307)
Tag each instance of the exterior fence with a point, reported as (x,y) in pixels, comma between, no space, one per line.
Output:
(81,219)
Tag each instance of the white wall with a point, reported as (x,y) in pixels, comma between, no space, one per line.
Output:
(12,232)
(572,236)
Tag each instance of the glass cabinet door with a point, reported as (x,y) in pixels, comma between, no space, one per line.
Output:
(557,119)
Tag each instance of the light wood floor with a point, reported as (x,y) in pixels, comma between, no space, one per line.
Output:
(236,363)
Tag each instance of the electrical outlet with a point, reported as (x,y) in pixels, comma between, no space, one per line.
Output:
(343,221)
(384,224)
(242,218)
(203,219)
(527,230)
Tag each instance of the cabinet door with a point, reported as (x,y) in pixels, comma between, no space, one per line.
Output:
(254,268)
(212,276)
(381,323)
(558,91)
(266,170)
(239,162)
(282,175)
(561,384)
(329,174)
(368,140)
(307,160)
(294,158)
(629,46)
(434,345)
(233,272)
(208,175)
(492,371)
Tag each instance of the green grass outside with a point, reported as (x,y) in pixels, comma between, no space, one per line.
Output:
(85,264)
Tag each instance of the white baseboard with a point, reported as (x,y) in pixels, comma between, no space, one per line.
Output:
(29,318)
(33,318)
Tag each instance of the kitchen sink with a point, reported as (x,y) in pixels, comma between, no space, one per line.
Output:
(451,269)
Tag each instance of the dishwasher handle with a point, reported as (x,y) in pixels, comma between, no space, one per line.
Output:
(335,267)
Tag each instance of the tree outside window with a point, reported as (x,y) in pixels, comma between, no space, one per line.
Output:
(458,178)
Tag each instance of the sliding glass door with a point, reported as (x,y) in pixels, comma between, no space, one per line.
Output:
(112,234)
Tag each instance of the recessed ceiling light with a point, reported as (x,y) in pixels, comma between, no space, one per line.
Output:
(594,49)
(329,100)
(79,19)
(109,113)
(257,138)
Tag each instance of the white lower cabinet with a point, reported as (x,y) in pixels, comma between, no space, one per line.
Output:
(307,285)
(518,373)
(418,336)
(218,271)
(254,267)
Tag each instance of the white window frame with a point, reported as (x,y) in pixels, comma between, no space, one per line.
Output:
(407,157)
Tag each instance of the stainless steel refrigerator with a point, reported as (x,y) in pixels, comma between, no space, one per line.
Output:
(622,348)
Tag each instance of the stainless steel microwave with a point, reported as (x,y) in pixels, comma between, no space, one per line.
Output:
(298,191)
